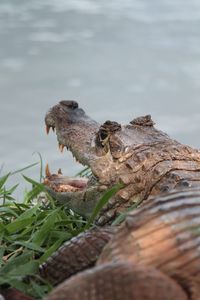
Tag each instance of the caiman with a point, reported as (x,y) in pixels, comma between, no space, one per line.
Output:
(155,252)
(146,161)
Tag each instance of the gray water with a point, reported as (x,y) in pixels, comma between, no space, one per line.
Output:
(119,59)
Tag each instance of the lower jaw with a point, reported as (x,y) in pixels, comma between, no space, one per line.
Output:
(76,193)
(60,183)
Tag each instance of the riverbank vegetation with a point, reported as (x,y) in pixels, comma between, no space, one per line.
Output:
(31,230)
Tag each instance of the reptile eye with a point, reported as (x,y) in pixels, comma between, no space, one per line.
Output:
(103,135)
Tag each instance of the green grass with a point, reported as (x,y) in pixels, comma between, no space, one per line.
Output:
(32,229)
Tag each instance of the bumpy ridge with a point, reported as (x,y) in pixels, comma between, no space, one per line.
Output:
(164,234)
(79,253)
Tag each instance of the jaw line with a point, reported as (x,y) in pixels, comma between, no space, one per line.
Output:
(82,201)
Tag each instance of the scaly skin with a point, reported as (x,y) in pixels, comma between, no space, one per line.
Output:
(155,254)
(145,160)
(78,254)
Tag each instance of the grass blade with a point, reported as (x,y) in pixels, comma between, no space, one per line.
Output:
(30,246)
(29,268)
(18,225)
(41,165)
(31,181)
(122,216)
(33,193)
(8,211)
(25,168)
(3,180)
(16,262)
(105,198)
(84,173)
(51,250)
(42,234)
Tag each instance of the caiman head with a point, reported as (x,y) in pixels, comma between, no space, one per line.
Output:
(114,153)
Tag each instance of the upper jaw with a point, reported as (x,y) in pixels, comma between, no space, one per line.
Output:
(77,132)
(61,115)
(74,129)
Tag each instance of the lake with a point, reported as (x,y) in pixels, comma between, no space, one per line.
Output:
(119,59)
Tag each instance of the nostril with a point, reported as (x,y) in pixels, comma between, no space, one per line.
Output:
(69,103)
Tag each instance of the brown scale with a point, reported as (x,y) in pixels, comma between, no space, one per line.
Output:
(158,243)
(147,177)
(155,253)
(78,254)
(167,227)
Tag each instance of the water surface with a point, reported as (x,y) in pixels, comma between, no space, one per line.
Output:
(119,59)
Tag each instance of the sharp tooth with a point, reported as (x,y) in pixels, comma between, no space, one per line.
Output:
(59,171)
(47,129)
(61,146)
(47,171)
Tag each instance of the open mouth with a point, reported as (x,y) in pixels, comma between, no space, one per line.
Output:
(80,194)
(77,132)
(60,183)
(63,184)
(70,124)
(89,143)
